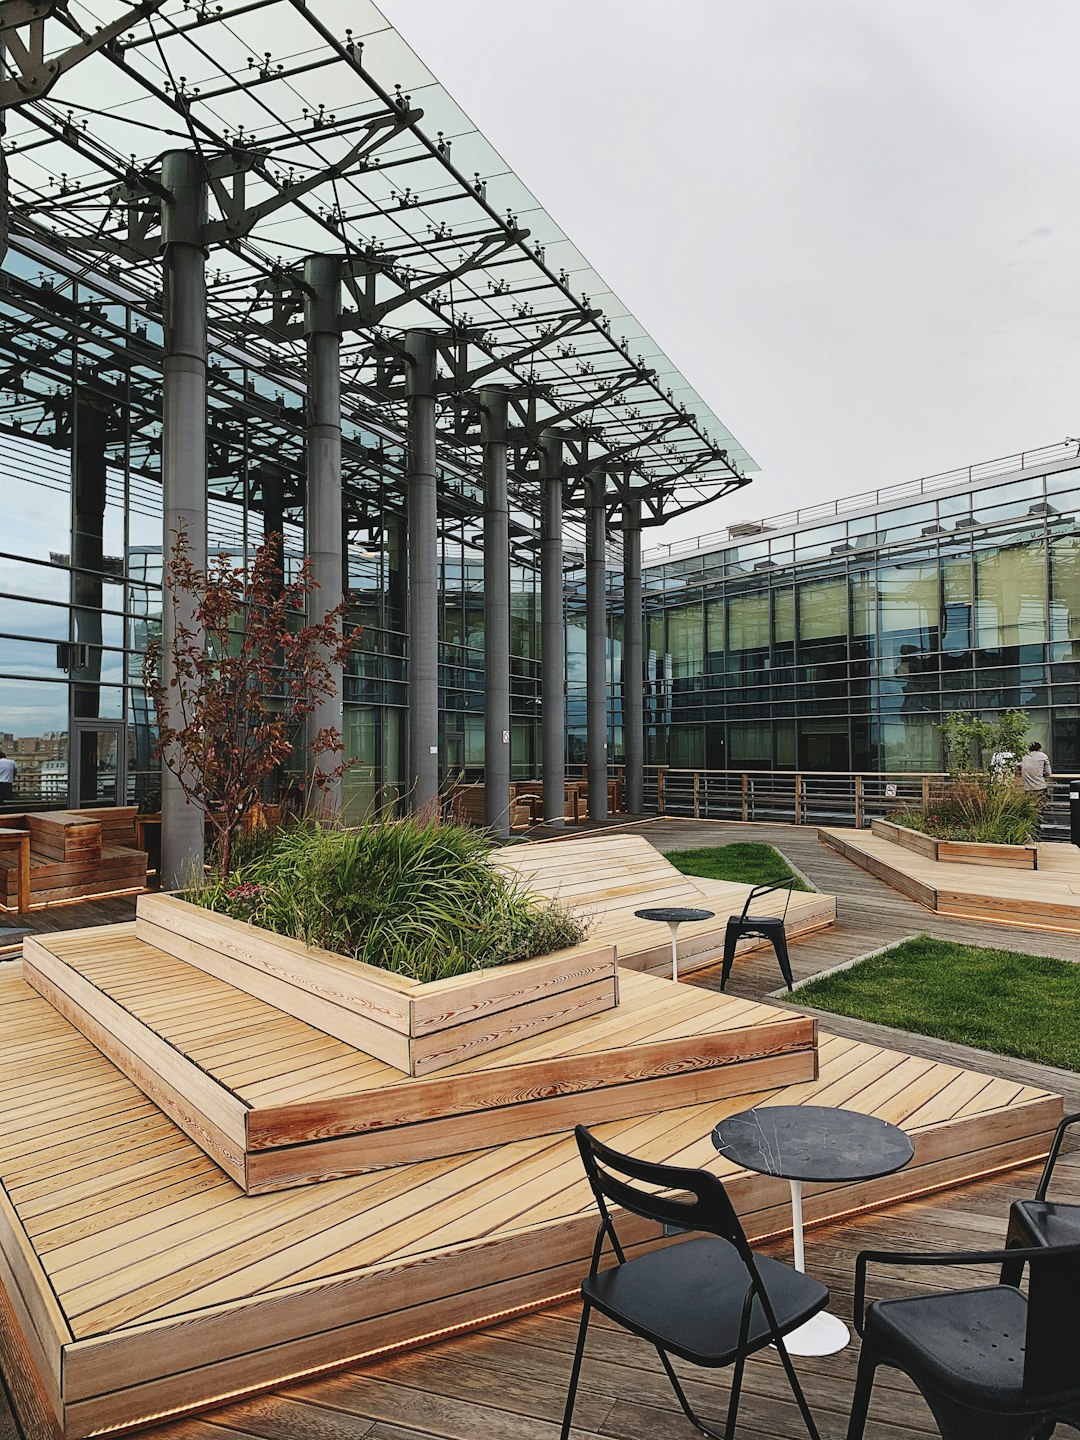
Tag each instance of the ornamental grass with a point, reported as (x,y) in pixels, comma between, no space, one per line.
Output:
(413,896)
(982,810)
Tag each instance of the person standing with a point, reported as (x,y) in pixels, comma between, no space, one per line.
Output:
(8,771)
(1035,772)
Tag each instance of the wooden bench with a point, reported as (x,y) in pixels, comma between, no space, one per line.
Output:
(66,857)
(526,802)
(117,824)
(611,876)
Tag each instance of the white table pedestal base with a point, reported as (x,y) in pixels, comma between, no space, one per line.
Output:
(824,1334)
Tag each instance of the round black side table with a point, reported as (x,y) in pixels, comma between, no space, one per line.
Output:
(675,915)
(815,1143)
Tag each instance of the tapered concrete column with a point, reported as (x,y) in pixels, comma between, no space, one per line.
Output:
(596,643)
(552,629)
(496,612)
(323,531)
(183,460)
(423,776)
(633,700)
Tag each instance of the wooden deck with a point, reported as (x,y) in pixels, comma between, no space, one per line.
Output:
(610,876)
(277,1102)
(145,1282)
(1047,897)
(509,1382)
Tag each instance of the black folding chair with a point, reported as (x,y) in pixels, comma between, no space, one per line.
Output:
(712,1300)
(992,1363)
(1041,1221)
(767,927)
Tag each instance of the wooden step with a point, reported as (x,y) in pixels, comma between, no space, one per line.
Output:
(277,1102)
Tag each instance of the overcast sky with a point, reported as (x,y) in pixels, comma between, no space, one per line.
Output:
(854,225)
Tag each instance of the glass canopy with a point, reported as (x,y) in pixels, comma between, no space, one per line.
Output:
(323,133)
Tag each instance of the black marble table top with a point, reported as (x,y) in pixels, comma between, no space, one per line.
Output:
(812,1142)
(674,914)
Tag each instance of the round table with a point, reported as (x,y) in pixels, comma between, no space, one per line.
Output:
(675,915)
(800,1143)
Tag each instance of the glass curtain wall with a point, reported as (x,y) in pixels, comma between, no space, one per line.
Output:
(81,552)
(840,647)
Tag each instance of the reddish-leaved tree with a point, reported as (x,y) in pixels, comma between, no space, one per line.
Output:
(247,673)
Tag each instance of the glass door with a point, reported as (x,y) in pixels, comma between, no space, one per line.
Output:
(98,763)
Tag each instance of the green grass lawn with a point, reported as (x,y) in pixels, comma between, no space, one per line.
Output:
(1000,1000)
(746,861)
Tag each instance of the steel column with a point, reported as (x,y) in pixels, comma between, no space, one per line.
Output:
(87,568)
(493,411)
(633,706)
(596,749)
(322,510)
(183,461)
(423,776)
(552,629)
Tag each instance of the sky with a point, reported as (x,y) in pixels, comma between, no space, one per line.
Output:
(854,225)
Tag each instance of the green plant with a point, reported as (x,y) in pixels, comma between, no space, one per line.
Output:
(414,896)
(997,812)
(972,742)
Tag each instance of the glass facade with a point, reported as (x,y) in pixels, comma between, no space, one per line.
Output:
(81,549)
(838,647)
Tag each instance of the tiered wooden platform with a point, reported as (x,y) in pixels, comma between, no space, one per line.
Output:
(277,1102)
(73,854)
(1047,896)
(611,876)
(147,1283)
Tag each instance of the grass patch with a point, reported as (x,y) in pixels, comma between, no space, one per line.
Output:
(745,861)
(999,1000)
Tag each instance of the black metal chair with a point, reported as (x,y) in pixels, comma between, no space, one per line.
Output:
(767,927)
(711,1300)
(1041,1221)
(992,1363)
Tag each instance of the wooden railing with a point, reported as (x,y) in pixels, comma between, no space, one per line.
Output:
(809,797)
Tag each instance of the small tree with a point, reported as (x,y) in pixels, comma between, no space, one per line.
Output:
(247,673)
(971,742)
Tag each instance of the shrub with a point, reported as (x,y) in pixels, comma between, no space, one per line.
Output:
(414,896)
(977,809)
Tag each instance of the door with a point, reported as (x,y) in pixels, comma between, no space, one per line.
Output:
(98,763)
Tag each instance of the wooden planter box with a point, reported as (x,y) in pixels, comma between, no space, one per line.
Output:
(416,1027)
(958,852)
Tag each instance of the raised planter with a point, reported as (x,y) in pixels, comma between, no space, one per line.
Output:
(958,852)
(416,1027)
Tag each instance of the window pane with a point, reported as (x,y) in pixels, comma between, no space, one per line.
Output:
(909,598)
(1065,588)
(685,641)
(1010,588)
(823,610)
(748,622)
(784,616)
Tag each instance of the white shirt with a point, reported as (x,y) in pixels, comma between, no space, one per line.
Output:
(7,771)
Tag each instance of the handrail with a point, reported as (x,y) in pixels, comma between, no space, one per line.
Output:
(808,797)
(1067,449)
